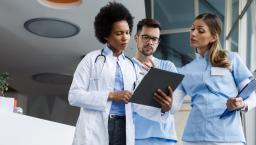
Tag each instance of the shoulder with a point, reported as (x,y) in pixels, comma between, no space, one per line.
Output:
(234,58)
(89,57)
(188,67)
(165,65)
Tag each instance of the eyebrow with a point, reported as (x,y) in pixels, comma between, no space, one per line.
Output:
(200,26)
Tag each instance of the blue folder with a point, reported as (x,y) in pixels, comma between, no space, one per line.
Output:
(244,94)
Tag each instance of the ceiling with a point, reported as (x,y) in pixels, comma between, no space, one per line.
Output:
(24,54)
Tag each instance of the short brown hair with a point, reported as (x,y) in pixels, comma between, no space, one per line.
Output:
(148,23)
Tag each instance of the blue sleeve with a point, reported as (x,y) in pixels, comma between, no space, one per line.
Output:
(167,65)
(239,70)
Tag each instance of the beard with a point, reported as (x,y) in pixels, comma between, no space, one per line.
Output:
(146,52)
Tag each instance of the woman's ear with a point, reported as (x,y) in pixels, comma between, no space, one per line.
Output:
(214,38)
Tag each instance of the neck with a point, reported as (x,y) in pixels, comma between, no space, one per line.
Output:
(116,52)
(148,60)
(201,51)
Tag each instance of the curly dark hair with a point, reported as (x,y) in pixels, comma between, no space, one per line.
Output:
(107,16)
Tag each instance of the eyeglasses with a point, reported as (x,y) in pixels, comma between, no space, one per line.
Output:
(147,38)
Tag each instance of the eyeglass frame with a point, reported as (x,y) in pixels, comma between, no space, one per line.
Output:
(145,38)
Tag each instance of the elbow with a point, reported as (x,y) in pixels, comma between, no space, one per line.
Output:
(71,100)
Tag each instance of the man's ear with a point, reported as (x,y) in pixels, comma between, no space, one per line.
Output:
(135,37)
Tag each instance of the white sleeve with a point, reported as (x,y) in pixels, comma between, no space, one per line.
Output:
(151,113)
(178,98)
(83,92)
(251,101)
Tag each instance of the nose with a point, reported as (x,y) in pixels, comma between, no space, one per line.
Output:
(193,33)
(150,41)
(125,37)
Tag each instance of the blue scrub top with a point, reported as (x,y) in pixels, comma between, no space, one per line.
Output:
(148,131)
(209,88)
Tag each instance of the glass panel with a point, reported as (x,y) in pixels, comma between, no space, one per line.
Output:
(235,11)
(234,38)
(235,32)
(213,6)
(174,14)
(250,35)
(175,47)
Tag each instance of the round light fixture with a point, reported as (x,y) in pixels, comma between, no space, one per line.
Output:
(60,4)
(52,28)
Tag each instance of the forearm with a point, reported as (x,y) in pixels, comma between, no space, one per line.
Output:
(178,98)
(151,113)
(91,100)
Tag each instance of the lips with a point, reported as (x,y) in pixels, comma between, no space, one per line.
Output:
(193,40)
(148,48)
(124,44)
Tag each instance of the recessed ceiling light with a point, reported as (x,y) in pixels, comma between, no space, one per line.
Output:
(60,4)
(64,1)
(53,28)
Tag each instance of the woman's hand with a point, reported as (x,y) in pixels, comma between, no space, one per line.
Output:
(123,96)
(165,100)
(235,104)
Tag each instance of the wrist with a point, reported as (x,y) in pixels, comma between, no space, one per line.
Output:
(110,96)
(245,107)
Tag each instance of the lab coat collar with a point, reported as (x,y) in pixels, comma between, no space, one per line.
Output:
(108,51)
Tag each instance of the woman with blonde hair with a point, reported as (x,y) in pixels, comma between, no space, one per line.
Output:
(213,80)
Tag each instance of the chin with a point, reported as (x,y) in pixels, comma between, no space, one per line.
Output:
(193,46)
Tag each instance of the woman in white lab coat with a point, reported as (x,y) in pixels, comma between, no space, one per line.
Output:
(103,82)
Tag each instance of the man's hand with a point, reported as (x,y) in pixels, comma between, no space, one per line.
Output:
(123,96)
(163,99)
(235,103)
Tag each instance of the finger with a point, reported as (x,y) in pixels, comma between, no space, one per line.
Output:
(239,104)
(127,94)
(238,99)
(158,100)
(125,100)
(160,92)
(162,100)
(170,91)
(164,107)
(164,97)
(146,67)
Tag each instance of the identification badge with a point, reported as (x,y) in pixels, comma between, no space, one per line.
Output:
(218,71)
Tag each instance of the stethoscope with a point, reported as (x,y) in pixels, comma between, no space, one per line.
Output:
(102,57)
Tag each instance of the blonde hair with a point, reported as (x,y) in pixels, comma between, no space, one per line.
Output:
(217,56)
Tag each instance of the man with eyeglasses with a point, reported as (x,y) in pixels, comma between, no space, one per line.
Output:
(160,128)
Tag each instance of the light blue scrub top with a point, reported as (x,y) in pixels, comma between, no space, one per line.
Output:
(117,107)
(209,88)
(148,131)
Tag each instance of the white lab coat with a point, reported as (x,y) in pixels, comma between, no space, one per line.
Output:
(90,89)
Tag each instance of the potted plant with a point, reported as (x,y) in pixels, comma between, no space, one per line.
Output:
(3,83)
